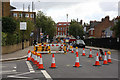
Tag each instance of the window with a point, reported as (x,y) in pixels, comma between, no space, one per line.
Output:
(26,15)
(20,14)
(15,14)
(61,29)
(63,33)
(58,33)
(32,15)
(60,24)
(68,24)
(58,29)
(64,24)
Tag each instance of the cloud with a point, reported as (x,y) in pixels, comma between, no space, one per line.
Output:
(83,9)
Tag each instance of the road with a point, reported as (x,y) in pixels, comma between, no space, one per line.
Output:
(22,69)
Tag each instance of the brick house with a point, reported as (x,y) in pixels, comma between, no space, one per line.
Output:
(62,29)
(102,29)
(21,14)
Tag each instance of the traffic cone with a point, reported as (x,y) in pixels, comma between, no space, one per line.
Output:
(90,55)
(72,50)
(40,66)
(105,59)
(32,56)
(35,58)
(53,65)
(29,55)
(97,61)
(83,54)
(76,50)
(109,57)
(38,58)
(67,49)
(77,61)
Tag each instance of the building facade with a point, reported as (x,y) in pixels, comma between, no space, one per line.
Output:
(62,29)
(102,29)
(21,14)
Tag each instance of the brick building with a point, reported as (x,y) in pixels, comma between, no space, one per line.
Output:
(21,14)
(62,29)
(102,29)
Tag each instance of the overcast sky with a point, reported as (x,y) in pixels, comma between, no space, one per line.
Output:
(82,9)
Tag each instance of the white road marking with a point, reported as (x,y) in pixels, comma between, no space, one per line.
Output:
(17,76)
(30,66)
(13,70)
(47,76)
(15,67)
(115,59)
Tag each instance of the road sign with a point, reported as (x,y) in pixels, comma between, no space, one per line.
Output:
(23,26)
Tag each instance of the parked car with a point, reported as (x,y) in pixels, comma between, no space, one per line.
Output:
(79,43)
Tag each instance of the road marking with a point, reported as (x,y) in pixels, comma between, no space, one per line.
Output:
(14,67)
(30,66)
(47,76)
(17,76)
(115,59)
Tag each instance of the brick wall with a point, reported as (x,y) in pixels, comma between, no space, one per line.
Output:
(5,8)
(102,26)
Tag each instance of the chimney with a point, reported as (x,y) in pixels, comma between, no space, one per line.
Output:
(81,22)
(107,18)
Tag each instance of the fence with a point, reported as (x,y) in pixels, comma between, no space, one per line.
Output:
(111,43)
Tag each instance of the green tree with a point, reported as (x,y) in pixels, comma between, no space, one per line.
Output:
(116,28)
(8,25)
(47,25)
(76,29)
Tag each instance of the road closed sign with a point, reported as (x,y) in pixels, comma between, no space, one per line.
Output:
(23,26)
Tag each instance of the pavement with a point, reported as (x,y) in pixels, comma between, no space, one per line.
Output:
(22,54)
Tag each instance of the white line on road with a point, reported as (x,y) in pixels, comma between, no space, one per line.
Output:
(115,59)
(47,76)
(30,66)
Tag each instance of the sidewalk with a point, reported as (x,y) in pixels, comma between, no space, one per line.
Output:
(20,54)
(96,48)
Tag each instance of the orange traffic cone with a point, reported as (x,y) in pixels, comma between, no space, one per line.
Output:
(53,65)
(76,50)
(29,56)
(109,57)
(105,59)
(83,54)
(97,61)
(32,56)
(40,66)
(72,50)
(90,55)
(77,61)
(67,49)
(35,58)
(38,58)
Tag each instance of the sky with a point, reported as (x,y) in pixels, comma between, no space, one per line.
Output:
(82,9)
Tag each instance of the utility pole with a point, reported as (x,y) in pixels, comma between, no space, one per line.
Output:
(67,32)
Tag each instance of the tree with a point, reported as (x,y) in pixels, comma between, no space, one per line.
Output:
(76,29)
(8,25)
(116,28)
(47,25)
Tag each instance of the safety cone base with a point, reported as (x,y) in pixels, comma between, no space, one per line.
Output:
(83,55)
(40,69)
(105,64)
(53,67)
(96,65)
(76,66)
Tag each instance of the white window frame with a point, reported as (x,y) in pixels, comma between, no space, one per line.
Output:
(31,15)
(26,15)
(15,14)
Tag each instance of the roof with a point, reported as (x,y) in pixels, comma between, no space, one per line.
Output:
(63,23)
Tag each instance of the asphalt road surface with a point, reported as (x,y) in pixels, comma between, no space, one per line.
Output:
(22,69)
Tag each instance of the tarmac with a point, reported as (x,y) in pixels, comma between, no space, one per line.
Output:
(22,54)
